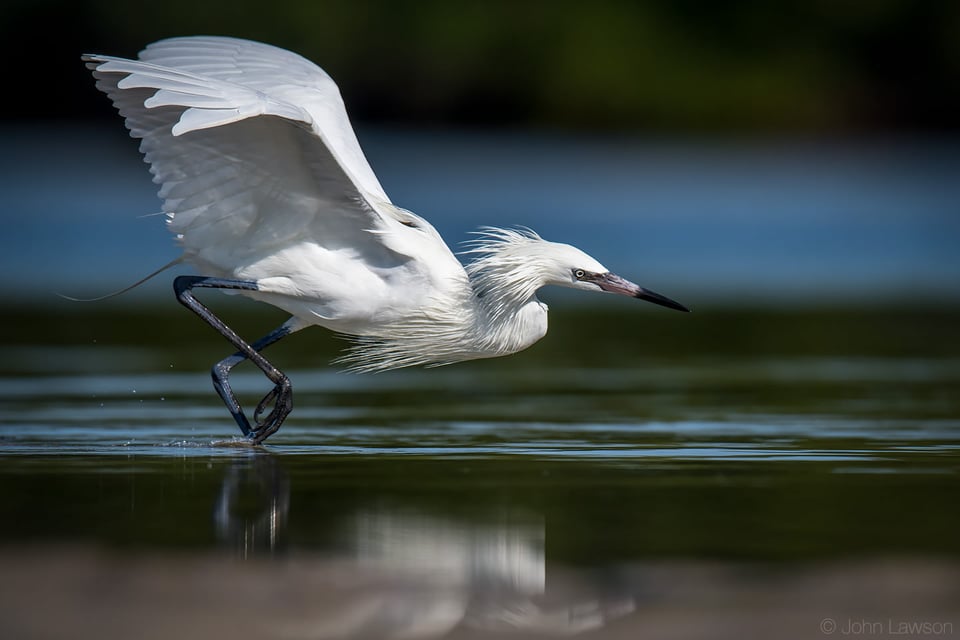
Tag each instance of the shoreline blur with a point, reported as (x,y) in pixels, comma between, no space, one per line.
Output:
(724,222)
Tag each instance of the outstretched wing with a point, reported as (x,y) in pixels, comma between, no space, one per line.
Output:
(280,75)
(254,152)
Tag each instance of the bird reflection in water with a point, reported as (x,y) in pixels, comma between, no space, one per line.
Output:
(401,572)
(253,506)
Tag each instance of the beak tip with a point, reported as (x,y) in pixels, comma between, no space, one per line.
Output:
(663,301)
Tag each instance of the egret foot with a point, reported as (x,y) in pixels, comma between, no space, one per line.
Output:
(281,397)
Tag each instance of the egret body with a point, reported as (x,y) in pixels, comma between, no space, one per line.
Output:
(269,194)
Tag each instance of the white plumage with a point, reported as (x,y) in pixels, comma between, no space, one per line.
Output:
(264,183)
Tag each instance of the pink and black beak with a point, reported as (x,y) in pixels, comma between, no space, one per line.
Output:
(615,284)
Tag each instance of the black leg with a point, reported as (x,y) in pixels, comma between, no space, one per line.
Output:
(221,379)
(281,396)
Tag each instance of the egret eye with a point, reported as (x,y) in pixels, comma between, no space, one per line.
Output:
(579,273)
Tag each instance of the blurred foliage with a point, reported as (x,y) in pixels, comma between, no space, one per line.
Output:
(578,336)
(797,65)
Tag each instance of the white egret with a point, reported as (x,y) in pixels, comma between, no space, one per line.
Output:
(269,195)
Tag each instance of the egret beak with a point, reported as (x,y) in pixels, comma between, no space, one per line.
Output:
(615,284)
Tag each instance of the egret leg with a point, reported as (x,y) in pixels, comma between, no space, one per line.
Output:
(221,379)
(281,395)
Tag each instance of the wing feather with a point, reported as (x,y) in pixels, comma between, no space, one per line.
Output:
(279,73)
(217,181)
(259,167)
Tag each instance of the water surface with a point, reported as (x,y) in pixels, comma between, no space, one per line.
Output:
(638,472)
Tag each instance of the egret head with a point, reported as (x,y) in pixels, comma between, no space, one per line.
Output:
(571,267)
(517,262)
